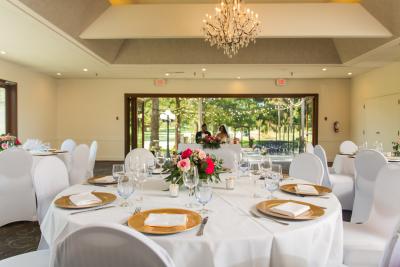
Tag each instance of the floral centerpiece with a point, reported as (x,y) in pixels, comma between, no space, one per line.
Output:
(7,141)
(208,166)
(211,142)
(396,148)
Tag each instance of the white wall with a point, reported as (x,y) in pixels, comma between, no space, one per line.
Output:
(36,101)
(87,108)
(379,91)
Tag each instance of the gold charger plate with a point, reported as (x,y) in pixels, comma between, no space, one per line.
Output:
(313,213)
(291,188)
(65,203)
(137,222)
(95,180)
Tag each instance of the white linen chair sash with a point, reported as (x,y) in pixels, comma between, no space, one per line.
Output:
(308,167)
(142,154)
(92,158)
(309,148)
(367,164)
(319,151)
(79,164)
(104,245)
(68,145)
(17,196)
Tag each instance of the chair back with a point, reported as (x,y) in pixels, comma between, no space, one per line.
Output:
(319,151)
(49,179)
(79,164)
(226,155)
(309,148)
(367,164)
(68,145)
(308,167)
(348,148)
(104,245)
(92,158)
(141,154)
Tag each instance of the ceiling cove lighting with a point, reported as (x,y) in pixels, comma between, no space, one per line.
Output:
(167,74)
(232,27)
(203,69)
(59,74)
(349,73)
(324,69)
(85,70)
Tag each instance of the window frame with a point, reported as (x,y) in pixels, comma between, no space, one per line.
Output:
(11,107)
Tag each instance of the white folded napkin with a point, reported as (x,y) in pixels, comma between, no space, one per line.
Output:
(105,179)
(306,189)
(85,198)
(165,220)
(290,209)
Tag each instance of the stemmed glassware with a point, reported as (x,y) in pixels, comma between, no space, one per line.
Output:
(117,169)
(255,169)
(266,164)
(203,195)
(191,180)
(244,165)
(150,167)
(272,179)
(125,187)
(160,160)
(140,176)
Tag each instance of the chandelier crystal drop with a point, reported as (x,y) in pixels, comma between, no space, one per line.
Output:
(232,27)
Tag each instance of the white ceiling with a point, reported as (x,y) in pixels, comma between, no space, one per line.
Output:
(34,42)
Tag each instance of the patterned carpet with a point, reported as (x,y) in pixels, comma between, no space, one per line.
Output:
(21,237)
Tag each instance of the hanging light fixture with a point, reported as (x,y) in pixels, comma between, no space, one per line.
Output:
(232,27)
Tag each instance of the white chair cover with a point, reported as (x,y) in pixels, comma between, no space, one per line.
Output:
(40,258)
(309,148)
(50,178)
(308,167)
(348,148)
(143,155)
(342,185)
(364,244)
(227,155)
(79,164)
(17,196)
(92,158)
(68,145)
(105,245)
(367,164)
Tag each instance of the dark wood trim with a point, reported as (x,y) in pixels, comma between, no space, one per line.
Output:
(133,102)
(11,107)
(127,102)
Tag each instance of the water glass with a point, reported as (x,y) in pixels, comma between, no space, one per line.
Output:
(150,167)
(271,185)
(117,169)
(244,166)
(266,164)
(160,160)
(191,180)
(276,172)
(140,176)
(125,187)
(203,195)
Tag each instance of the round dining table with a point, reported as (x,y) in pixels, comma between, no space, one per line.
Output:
(232,237)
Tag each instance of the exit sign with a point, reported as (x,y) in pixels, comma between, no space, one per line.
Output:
(160,82)
(280,82)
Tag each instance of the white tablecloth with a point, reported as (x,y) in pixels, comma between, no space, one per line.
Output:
(232,237)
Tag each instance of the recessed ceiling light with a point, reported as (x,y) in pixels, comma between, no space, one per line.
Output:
(58,73)
(238,77)
(324,69)
(85,70)
(349,73)
(3,52)
(167,74)
(203,69)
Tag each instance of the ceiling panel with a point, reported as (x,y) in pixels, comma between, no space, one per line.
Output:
(121,2)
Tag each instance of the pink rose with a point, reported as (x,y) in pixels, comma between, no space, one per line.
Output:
(4,146)
(202,154)
(184,165)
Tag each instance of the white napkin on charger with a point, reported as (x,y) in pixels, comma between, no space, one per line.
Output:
(306,189)
(105,179)
(85,198)
(290,209)
(165,220)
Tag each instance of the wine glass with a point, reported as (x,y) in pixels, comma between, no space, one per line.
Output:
(255,175)
(266,164)
(160,159)
(134,162)
(276,172)
(244,165)
(117,169)
(150,167)
(140,176)
(125,187)
(191,180)
(203,195)
(271,184)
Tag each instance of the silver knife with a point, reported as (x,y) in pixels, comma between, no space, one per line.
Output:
(203,224)
(99,208)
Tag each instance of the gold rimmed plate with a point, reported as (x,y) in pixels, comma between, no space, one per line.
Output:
(136,221)
(291,188)
(313,213)
(65,203)
(101,181)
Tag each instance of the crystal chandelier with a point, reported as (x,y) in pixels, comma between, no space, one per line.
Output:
(232,27)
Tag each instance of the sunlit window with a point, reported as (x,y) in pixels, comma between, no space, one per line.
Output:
(2,110)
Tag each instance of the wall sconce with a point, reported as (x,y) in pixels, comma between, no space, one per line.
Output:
(336,126)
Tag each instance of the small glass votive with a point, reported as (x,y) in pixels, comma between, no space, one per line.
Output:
(174,190)
(230,183)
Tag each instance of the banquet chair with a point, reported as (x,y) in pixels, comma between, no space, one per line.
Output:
(104,245)
(342,185)
(367,165)
(79,164)
(68,145)
(348,148)
(226,155)
(372,243)
(92,158)
(142,154)
(39,258)
(49,179)
(308,167)
(17,196)
(309,148)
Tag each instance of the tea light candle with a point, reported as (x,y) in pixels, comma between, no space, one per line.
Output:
(174,190)
(230,183)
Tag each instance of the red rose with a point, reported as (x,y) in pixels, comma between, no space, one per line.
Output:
(187,153)
(17,142)
(210,166)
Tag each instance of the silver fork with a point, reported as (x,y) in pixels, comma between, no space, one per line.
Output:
(136,211)
(255,215)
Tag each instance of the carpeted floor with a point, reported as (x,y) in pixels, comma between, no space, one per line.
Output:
(21,237)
